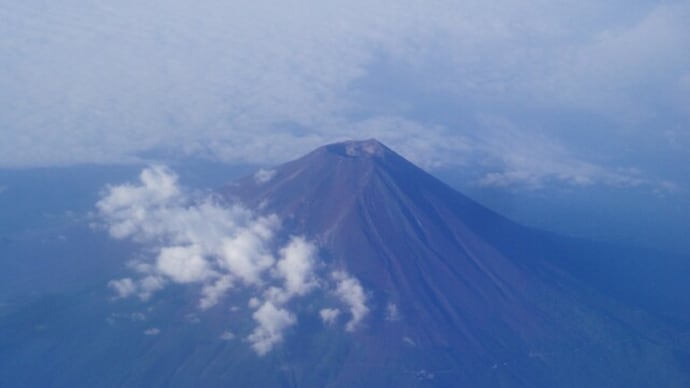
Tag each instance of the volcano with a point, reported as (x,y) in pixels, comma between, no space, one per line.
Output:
(455,294)
(478,300)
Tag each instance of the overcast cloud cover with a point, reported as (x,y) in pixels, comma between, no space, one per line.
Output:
(574,92)
(195,240)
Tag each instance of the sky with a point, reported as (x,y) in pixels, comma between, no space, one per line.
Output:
(574,95)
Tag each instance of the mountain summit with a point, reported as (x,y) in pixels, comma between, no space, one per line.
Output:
(461,295)
(326,185)
(371,148)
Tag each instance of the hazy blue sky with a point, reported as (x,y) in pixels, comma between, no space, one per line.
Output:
(525,94)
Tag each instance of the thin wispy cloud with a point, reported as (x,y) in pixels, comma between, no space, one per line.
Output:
(392,312)
(263,175)
(197,240)
(227,336)
(516,158)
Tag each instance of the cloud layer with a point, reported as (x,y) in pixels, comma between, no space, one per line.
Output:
(200,241)
(266,81)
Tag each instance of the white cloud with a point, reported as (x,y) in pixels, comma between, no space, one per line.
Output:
(137,317)
(149,285)
(351,292)
(152,331)
(329,315)
(227,336)
(521,160)
(423,375)
(133,211)
(219,248)
(297,265)
(296,269)
(143,288)
(272,322)
(392,312)
(263,175)
(132,317)
(212,292)
(183,264)
(604,74)
(254,302)
(123,287)
(198,240)
(299,79)
(245,254)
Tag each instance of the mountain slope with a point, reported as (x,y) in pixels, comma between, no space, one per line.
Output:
(483,300)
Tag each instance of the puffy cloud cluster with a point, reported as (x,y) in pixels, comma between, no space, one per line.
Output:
(199,240)
(351,292)
(272,322)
